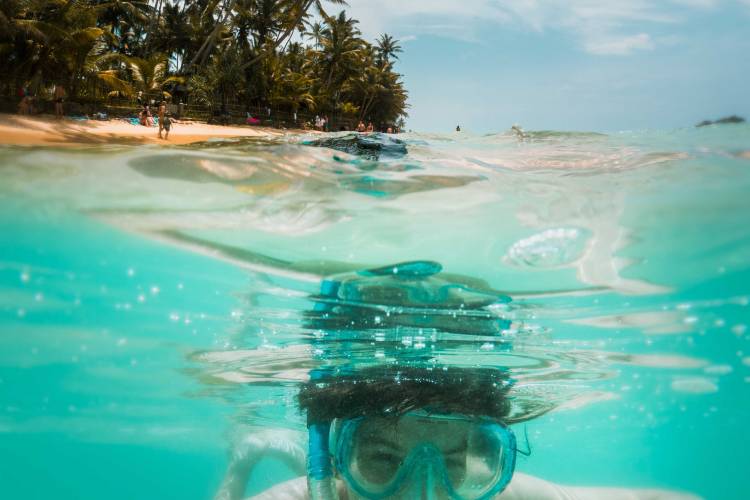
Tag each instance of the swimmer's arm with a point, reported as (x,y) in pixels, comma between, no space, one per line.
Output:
(282,444)
(525,487)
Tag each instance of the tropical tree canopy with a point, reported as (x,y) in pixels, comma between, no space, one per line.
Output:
(289,54)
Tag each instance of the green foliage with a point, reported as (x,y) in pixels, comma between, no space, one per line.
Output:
(214,52)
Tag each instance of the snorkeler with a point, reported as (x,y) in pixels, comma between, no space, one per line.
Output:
(411,432)
(410,427)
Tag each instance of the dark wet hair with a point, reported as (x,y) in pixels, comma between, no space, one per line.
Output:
(394,390)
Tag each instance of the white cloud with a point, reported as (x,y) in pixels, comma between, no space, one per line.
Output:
(616,27)
(437,17)
(706,4)
(620,46)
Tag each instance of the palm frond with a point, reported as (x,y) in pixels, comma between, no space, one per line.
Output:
(110,77)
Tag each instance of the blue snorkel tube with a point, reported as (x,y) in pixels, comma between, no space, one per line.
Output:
(320,482)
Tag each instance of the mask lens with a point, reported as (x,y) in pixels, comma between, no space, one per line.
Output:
(377,455)
(485,461)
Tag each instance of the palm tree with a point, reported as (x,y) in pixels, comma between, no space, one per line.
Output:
(341,47)
(149,75)
(388,47)
(238,51)
(293,19)
(315,33)
(293,90)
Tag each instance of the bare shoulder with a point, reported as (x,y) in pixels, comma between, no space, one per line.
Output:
(526,487)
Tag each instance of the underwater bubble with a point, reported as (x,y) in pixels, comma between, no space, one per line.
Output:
(718,369)
(694,385)
(550,248)
(746,361)
(739,330)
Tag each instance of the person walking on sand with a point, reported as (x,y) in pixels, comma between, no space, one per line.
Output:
(162,113)
(59,96)
(166,122)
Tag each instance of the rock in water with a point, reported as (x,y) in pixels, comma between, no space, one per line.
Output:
(370,146)
(722,121)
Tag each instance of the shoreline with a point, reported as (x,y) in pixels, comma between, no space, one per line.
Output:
(45,130)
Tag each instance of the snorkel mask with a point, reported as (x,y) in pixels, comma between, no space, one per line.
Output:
(395,434)
(421,455)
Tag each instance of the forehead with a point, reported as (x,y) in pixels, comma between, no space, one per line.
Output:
(410,429)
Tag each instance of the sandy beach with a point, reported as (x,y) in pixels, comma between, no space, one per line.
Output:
(45,130)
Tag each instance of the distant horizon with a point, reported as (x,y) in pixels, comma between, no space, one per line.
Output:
(469,130)
(568,66)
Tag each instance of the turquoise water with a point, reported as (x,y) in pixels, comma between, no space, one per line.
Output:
(158,304)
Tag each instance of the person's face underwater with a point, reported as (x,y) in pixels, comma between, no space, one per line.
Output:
(420,454)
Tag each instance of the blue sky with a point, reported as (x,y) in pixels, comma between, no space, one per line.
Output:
(599,65)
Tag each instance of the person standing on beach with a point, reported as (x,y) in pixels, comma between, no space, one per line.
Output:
(59,96)
(162,114)
(146,116)
(458,128)
(165,122)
